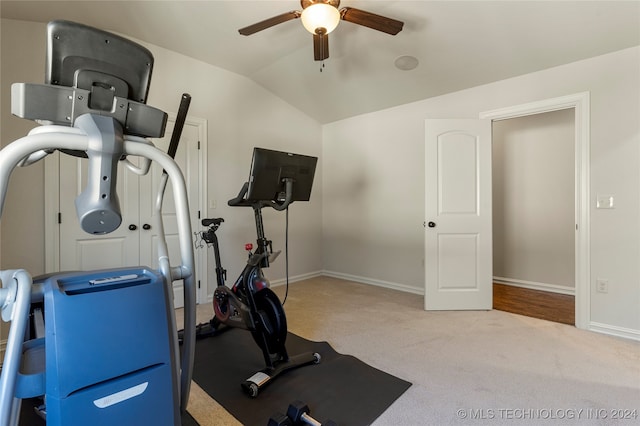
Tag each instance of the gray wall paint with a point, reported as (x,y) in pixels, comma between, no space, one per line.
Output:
(534,198)
(240,115)
(374,214)
(367,210)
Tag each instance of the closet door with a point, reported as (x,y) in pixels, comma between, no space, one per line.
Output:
(82,251)
(134,243)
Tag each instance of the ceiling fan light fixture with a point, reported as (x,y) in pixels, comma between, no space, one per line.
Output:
(320,15)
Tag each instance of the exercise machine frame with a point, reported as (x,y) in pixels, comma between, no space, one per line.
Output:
(84,125)
(250,304)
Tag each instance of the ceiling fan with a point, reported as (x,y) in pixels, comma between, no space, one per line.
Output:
(320,17)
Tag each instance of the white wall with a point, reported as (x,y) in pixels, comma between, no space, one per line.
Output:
(367,210)
(374,210)
(20,245)
(534,200)
(240,115)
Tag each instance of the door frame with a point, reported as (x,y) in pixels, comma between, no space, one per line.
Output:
(579,102)
(52,207)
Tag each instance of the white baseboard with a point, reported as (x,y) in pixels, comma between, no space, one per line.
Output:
(612,330)
(296,278)
(532,285)
(283,281)
(348,277)
(371,281)
(626,333)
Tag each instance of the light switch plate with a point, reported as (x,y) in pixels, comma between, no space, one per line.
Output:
(602,286)
(604,202)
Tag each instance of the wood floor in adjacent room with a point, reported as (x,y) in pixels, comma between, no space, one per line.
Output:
(534,303)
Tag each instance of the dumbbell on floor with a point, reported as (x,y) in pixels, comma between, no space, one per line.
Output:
(279,419)
(299,413)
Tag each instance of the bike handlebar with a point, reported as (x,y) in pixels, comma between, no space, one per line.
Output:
(241,201)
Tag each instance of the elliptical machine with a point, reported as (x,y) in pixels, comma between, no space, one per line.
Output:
(104,358)
(277,179)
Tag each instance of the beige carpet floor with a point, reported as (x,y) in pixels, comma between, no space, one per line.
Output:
(467,367)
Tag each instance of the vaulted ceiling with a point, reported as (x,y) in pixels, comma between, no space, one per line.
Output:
(459,44)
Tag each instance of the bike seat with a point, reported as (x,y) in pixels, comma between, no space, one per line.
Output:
(216,221)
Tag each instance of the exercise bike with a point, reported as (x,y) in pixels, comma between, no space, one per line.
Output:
(250,304)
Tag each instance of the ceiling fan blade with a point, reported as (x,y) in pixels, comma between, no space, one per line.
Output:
(263,25)
(320,46)
(371,20)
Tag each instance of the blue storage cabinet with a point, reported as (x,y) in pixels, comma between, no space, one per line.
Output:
(110,356)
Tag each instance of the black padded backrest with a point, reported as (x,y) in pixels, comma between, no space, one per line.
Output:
(78,55)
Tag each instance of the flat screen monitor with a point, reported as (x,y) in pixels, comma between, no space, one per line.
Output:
(270,168)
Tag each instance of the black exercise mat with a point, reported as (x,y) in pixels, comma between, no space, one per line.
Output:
(341,387)
(188,420)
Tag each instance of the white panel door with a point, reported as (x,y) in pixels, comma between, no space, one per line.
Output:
(80,251)
(458,234)
(134,242)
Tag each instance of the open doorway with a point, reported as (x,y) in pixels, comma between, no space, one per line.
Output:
(534,215)
(576,200)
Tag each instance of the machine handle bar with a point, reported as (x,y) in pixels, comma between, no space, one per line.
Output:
(185,101)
